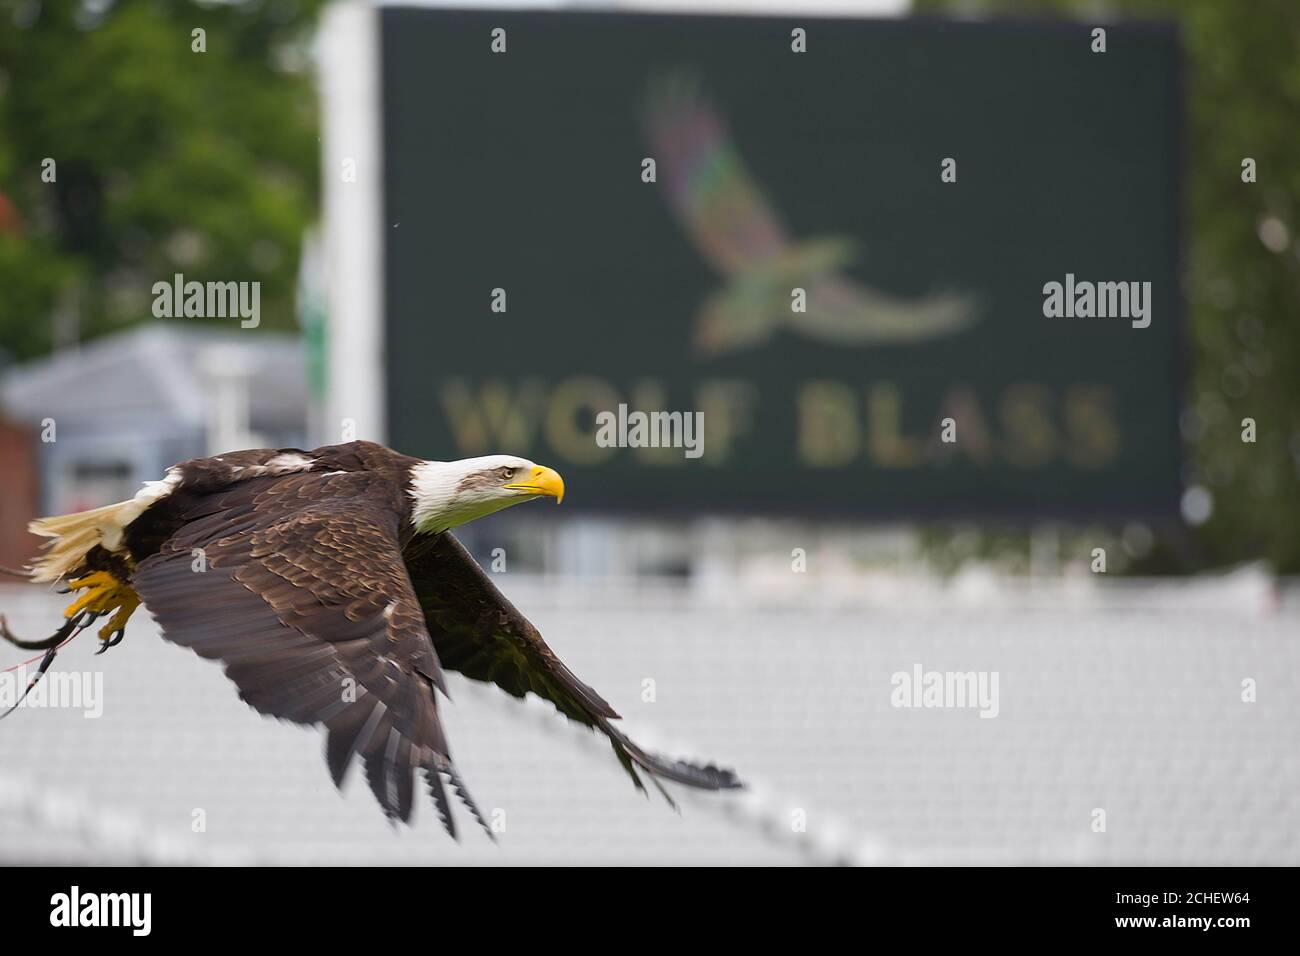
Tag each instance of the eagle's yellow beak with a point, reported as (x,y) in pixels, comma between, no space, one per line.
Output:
(543,481)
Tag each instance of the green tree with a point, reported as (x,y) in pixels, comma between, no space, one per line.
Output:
(165,159)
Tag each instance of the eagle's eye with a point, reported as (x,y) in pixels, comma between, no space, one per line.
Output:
(506,473)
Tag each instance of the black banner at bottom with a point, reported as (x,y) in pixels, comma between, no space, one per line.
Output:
(339,904)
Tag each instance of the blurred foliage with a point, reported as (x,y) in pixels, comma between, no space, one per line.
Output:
(1242,266)
(167,160)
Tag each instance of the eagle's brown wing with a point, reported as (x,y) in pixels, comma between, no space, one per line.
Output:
(298,585)
(479,633)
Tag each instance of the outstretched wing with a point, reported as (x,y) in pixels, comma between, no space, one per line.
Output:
(298,585)
(480,634)
(720,206)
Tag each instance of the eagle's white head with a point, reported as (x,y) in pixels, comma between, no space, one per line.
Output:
(450,493)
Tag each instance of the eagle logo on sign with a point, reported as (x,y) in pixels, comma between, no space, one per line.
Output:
(736,229)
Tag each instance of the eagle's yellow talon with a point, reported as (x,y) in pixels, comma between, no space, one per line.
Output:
(104,593)
(118,621)
(96,579)
(87,602)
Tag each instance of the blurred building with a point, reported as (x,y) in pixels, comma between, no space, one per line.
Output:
(118,412)
(18,491)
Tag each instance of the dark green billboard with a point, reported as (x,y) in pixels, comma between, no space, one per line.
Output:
(887,268)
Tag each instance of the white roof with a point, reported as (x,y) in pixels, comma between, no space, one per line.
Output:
(153,371)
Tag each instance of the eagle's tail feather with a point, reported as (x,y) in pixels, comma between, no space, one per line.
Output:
(73,536)
(58,526)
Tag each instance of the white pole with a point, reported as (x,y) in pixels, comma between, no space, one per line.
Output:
(353,202)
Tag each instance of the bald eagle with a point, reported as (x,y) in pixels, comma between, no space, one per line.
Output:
(330,585)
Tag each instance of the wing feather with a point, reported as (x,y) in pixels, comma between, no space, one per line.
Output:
(480,634)
(303,595)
